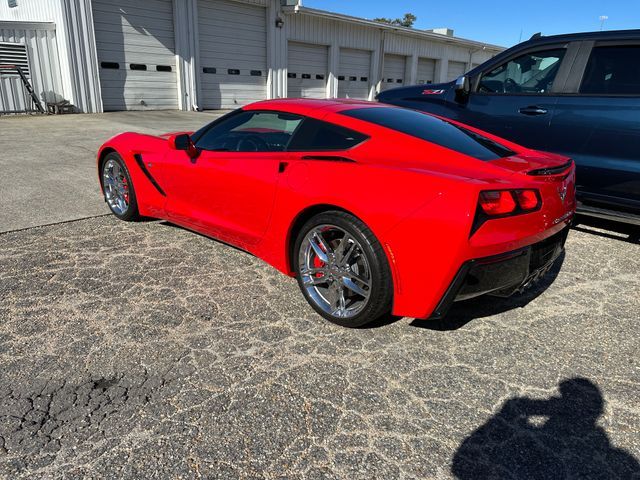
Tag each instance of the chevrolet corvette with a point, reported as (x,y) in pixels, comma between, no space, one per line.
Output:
(377,210)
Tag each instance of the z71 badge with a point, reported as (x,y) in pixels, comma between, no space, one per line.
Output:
(432,92)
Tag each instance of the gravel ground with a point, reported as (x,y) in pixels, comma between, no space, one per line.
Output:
(146,351)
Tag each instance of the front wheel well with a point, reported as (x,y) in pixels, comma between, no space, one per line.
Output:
(103,155)
(301,219)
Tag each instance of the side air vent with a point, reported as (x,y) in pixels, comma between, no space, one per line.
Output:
(147,174)
(550,171)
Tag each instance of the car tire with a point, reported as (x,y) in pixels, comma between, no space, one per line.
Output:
(119,193)
(342,269)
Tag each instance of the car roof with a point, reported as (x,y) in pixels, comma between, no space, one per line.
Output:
(307,106)
(569,37)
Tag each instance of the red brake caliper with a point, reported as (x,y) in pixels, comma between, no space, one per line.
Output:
(126,189)
(317,263)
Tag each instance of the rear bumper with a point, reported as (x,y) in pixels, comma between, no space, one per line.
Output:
(504,274)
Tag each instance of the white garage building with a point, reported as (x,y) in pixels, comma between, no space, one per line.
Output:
(105,55)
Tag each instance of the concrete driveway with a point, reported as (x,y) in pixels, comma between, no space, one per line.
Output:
(47,163)
(141,350)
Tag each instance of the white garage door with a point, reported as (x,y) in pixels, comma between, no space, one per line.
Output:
(426,70)
(136,54)
(353,73)
(307,71)
(455,70)
(233,53)
(394,68)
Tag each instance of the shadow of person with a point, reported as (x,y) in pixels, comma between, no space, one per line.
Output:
(545,439)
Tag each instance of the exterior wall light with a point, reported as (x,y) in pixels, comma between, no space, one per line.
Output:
(279,23)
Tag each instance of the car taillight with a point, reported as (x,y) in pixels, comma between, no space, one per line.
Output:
(508,202)
(497,202)
(528,199)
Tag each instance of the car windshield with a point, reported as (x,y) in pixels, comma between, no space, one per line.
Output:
(432,129)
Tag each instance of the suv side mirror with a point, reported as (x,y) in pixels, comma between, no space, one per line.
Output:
(182,141)
(462,89)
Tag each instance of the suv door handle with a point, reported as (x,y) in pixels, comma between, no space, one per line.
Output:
(533,110)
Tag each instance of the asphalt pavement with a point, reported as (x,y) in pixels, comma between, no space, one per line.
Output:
(142,350)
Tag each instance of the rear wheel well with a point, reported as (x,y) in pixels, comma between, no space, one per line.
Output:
(301,219)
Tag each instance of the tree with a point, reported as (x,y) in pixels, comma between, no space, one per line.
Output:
(407,21)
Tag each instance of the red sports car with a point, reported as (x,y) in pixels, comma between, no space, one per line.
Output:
(375,209)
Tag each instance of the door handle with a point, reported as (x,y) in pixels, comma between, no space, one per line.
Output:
(533,110)
(328,158)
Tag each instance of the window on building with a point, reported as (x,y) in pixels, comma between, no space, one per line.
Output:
(613,71)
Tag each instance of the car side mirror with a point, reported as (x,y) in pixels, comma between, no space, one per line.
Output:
(462,88)
(182,141)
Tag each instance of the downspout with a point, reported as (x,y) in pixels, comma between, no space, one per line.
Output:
(381,63)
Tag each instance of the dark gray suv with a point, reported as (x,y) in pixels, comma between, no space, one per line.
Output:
(577,95)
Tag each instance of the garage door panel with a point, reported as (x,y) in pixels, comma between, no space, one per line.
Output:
(228,10)
(137,76)
(152,53)
(136,32)
(240,84)
(159,95)
(124,59)
(307,59)
(233,52)
(238,30)
(354,63)
(455,70)
(114,33)
(127,17)
(426,70)
(142,8)
(394,71)
(216,17)
(232,36)
(113,41)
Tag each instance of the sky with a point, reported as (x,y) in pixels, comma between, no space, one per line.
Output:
(500,22)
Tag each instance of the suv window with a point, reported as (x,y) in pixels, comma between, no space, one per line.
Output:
(529,73)
(613,70)
(250,132)
(432,129)
(318,135)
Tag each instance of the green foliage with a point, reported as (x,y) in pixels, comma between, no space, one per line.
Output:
(407,21)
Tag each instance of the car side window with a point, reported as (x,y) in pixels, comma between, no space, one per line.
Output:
(251,132)
(612,70)
(316,135)
(529,73)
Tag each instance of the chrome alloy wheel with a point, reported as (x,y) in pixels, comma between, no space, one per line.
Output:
(334,271)
(116,187)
